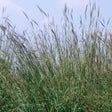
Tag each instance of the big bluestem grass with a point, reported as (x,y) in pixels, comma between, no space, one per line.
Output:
(62,70)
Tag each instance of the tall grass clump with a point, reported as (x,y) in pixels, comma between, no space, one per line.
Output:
(57,69)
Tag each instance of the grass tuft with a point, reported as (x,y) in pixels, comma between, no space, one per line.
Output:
(57,69)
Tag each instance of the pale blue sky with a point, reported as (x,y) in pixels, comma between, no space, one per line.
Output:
(53,7)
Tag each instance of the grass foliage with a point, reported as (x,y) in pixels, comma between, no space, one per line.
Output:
(57,69)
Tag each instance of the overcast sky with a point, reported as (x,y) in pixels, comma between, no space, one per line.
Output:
(54,8)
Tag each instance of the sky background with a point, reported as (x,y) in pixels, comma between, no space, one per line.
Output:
(54,8)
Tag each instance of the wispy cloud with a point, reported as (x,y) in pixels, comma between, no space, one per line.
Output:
(74,3)
(10,5)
